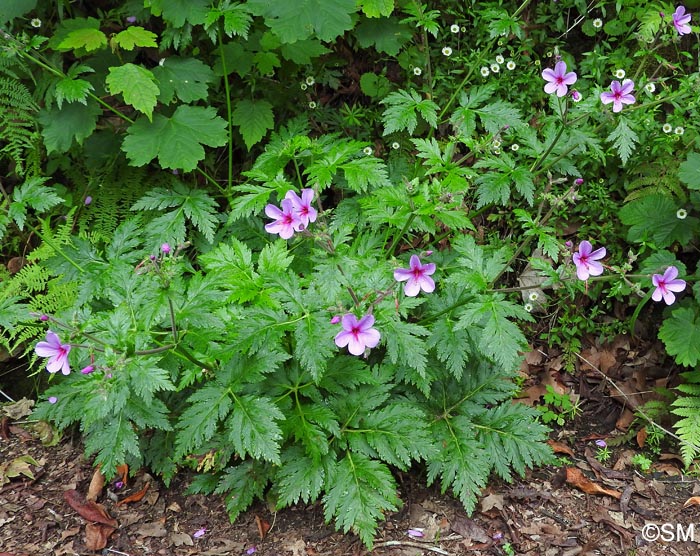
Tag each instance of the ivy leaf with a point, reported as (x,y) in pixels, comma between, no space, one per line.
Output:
(176,141)
(134,36)
(358,493)
(72,90)
(689,171)
(377,8)
(304,19)
(681,335)
(186,78)
(72,122)
(88,38)
(403,108)
(137,84)
(254,118)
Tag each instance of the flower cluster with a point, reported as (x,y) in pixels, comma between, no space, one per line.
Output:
(586,262)
(293,216)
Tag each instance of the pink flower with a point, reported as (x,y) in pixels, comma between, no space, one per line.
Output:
(165,248)
(286,222)
(681,20)
(199,532)
(302,206)
(666,285)
(357,335)
(620,94)
(586,261)
(558,79)
(417,276)
(52,399)
(87,370)
(56,352)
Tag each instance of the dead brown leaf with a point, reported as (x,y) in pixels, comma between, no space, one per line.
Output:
(577,479)
(492,501)
(88,509)
(642,437)
(470,530)
(180,538)
(16,467)
(136,496)
(560,448)
(263,526)
(96,485)
(692,501)
(123,471)
(152,529)
(97,535)
(668,468)
(19,409)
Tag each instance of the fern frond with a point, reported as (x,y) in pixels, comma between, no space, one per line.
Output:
(17,122)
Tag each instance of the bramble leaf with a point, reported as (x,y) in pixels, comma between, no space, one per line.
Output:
(680,333)
(72,122)
(137,84)
(186,78)
(176,141)
(88,38)
(254,118)
(377,8)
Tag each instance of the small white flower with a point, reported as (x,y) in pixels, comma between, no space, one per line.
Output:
(510,65)
(310,81)
(528,307)
(495,68)
(395,145)
(597,23)
(500,59)
(514,147)
(368,151)
(496,143)
(496,150)
(463,29)
(447,51)
(650,88)
(549,54)
(36,23)
(312,105)
(619,73)
(679,130)
(417,71)
(454,28)
(161,61)
(304,86)
(534,296)
(485,71)
(667,128)
(681,214)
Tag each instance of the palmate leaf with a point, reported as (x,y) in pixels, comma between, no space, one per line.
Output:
(184,78)
(398,434)
(653,218)
(303,19)
(358,492)
(377,8)
(403,108)
(512,437)
(253,428)
(299,478)
(73,122)
(176,141)
(32,194)
(689,171)
(87,38)
(312,425)
(137,84)
(179,12)
(254,118)
(207,407)
(134,36)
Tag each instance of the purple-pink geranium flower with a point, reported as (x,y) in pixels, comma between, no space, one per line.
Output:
(302,206)
(586,260)
(287,220)
(357,335)
(666,284)
(417,277)
(56,352)
(681,21)
(619,94)
(558,79)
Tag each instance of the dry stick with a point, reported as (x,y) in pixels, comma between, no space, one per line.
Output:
(638,410)
(387,544)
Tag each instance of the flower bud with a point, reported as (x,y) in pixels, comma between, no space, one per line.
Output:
(87,370)
(165,248)
(335,319)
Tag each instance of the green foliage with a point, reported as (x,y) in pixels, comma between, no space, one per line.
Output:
(254,118)
(681,336)
(137,84)
(624,139)
(403,109)
(687,407)
(18,115)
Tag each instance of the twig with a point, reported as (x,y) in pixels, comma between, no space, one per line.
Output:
(8,397)
(638,408)
(389,544)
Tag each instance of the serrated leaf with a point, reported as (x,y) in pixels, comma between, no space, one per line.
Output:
(134,36)
(653,218)
(243,483)
(253,428)
(303,52)
(179,12)
(72,122)
(254,118)
(88,38)
(32,194)
(689,171)
(10,9)
(405,346)
(357,495)
(208,406)
(388,34)
(451,346)
(377,8)
(176,141)
(303,19)
(680,334)
(72,90)
(314,345)
(137,84)
(403,108)
(299,478)
(624,139)
(112,441)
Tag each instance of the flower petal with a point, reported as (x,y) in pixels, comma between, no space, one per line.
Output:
(412,287)
(370,337)
(365,322)
(343,338)
(401,274)
(349,321)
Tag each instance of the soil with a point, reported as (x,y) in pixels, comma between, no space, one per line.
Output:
(579,507)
